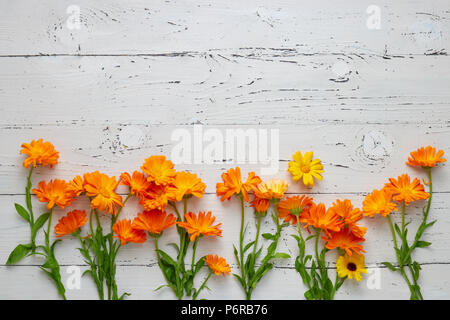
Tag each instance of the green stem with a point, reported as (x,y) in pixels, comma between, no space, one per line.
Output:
(202,286)
(258,228)
(116,216)
(30,208)
(403,218)
(194,248)
(241,244)
(162,270)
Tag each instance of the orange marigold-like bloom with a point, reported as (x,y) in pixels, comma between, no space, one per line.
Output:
(260,205)
(126,233)
(218,265)
(200,225)
(233,185)
(271,189)
(345,240)
(138,183)
(55,192)
(425,157)
(157,197)
(70,223)
(291,208)
(77,185)
(160,171)
(403,189)
(350,215)
(102,189)
(39,153)
(320,218)
(378,202)
(187,184)
(154,221)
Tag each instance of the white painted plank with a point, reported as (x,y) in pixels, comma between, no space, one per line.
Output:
(135,27)
(280,284)
(357,158)
(242,87)
(378,244)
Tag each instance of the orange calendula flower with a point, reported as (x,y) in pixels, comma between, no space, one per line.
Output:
(138,183)
(425,157)
(305,168)
(378,202)
(77,185)
(187,184)
(261,205)
(39,153)
(70,223)
(403,189)
(350,215)
(102,188)
(201,225)
(271,189)
(218,265)
(157,197)
(344,240)
(233,185)
(320,218)
(154,221)
(55,192)
(160,171)
(291,208)
(126,233)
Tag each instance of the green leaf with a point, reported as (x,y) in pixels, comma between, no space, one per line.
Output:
(18,253)
(390,266)
(166,258)
(422,244)
(281,255)
(397,228)
(199,264)
(175,246)
(39,223)
(270,236)
(241,281)
(22,212)
(248,246)
(161,286)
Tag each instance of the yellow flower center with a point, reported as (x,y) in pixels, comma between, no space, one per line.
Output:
(305,169)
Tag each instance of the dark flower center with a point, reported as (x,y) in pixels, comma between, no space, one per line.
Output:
(351,266)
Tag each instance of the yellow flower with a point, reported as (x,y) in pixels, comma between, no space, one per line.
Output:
(351,266)
(305,167)
(271,189)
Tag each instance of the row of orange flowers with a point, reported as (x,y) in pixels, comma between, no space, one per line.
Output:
(160,187)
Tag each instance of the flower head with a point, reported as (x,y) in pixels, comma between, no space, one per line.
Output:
(351,266)
(260,205)
(137,182)
(291,208)
(55,192)
(160,171)
(305,168)
(126,233)
(320,218)
(39,153)
(157,197)
(154,221)
(403,189)
(349,215)
(271,189)
(200,225)
(77,185)
(102,188)
(378,202)
(345,240)
(187,184)
(233,185)
(218,265)
(70,223)
(425,157)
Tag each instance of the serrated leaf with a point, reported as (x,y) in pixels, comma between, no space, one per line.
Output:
(22,212)
(18,253)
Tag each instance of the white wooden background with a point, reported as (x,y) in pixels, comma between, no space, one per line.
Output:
(109,94)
